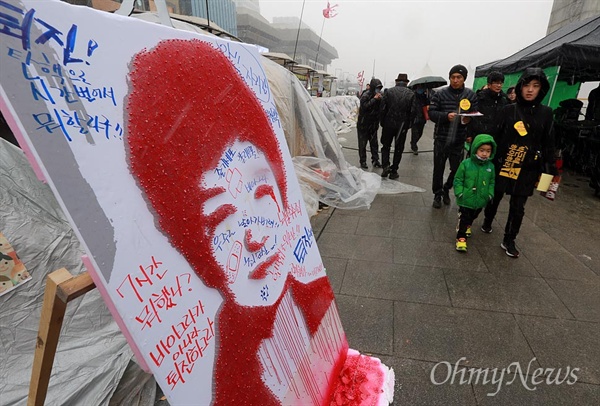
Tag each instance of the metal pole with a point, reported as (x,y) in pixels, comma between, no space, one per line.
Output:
(298,34)
(553,86)
(319,46)
(207,15)
(373,68)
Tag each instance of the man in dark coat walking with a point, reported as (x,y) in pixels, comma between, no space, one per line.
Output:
(450,130)
(368,123)
(525,138)
(398,112)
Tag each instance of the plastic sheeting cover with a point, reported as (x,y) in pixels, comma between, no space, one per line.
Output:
(317,154)
(92,353)
(340,111)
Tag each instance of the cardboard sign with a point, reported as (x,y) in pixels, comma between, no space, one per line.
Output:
(544,182)
(164,149)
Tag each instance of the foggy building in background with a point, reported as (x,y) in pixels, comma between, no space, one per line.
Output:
(280,36)
(222,12)
(567,11)
(252,5)
(140,5)
(242,19)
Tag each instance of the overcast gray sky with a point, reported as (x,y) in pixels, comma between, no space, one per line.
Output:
(408,35)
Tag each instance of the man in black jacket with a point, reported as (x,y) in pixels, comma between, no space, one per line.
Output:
(398,112)
(368,123)
(450,130)
(490,101)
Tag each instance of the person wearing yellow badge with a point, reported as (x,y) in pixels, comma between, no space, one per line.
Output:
(450,131)
(525,138)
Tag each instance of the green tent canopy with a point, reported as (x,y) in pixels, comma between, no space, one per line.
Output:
(569,56)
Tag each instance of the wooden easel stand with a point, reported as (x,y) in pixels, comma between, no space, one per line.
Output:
(61,288)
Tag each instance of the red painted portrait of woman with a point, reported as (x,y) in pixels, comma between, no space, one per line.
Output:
(209,164)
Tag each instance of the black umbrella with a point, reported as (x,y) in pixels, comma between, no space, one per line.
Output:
(429,82)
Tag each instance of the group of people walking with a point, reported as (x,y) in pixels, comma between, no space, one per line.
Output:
(509,143)
(396,109)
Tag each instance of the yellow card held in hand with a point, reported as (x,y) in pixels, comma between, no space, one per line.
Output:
(520,127)
(544,182)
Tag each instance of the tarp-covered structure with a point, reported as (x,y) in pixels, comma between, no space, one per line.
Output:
(93,364)
(569,56)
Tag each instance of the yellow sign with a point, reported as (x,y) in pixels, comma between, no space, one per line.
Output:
(465,104)
(514,159)
(520,127)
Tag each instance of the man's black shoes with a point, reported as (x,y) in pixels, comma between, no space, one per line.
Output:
(510,248)
(446,197)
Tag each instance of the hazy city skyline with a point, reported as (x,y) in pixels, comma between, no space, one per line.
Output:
(419,37)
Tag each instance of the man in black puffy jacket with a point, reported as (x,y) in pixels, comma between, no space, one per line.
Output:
(398,112)
(368,123)
(450,130)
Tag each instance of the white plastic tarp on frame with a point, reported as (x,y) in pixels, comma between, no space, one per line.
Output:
(341,111)
(92,353)
(322,170)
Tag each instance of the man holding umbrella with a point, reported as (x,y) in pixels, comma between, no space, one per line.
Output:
(416,131)
(398,111)
(450,130)
(422,88)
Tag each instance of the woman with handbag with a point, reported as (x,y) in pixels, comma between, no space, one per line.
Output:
(525,138)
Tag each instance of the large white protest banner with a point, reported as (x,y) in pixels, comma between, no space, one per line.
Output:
(165,150)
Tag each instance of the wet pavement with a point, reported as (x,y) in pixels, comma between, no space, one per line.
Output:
(406,296)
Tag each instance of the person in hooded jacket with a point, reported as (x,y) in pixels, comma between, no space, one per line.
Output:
(368,123)
(398,111)
(474,186)
(450,130)
(525,138)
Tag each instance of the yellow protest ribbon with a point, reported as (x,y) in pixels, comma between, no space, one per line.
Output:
(465,104)
(520,127)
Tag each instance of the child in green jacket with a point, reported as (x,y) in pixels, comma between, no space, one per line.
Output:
(474,186)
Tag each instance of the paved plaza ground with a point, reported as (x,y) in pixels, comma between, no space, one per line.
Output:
(406,296)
